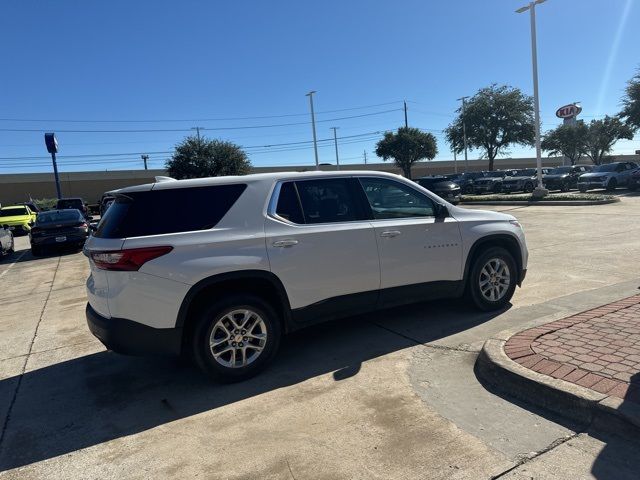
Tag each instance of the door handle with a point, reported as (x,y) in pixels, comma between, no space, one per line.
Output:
(285,243)
(390,233)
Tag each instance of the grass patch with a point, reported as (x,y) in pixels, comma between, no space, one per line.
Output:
(528,197)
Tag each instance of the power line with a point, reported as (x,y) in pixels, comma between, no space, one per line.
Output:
(263,117)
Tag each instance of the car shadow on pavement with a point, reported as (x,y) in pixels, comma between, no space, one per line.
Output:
(24,256)
(96,398)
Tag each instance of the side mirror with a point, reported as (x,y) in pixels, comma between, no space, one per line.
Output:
(441,211)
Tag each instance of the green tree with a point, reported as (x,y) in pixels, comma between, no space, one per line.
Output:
(567,140)
(495,118)
(406,147)
(631,103)
(200,157)
(602,136)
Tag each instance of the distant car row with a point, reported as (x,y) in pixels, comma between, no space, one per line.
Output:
(582,177)
(67,225)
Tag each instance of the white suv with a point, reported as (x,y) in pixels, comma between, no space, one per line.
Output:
(221,268)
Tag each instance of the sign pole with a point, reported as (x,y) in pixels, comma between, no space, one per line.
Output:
(52,147)
(55,173)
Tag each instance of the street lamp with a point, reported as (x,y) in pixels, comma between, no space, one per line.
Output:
(313,127)
(540,191)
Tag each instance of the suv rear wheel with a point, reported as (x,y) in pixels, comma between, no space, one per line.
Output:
(493,279)
(235,338)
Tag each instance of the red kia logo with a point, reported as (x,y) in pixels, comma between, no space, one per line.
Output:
(568,111)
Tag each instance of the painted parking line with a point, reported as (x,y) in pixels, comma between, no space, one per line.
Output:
(12,264)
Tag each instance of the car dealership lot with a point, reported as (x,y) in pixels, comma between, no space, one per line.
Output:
(392,395)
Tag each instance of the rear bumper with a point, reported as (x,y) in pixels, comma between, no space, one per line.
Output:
(131,338)
(76,239)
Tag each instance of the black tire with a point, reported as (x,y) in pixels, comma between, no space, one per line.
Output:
(474,292)
(564,187)
(468,190)
(582,190)
(611,186)
(36,251)
(497,188)
(207,319)
(528,188)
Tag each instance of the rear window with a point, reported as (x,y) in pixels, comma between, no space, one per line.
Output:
(69,203)
(14,211)
(58,217)
(173,210)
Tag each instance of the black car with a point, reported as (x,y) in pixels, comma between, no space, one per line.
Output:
(634,181)
(565,178)
(466,180)
(57,228)
(77,203)
(490,182)
(441,186)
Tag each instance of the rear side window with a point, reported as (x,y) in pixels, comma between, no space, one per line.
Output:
(173,210)
(288,204)
(328,201)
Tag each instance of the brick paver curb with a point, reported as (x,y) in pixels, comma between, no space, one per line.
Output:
(582,366)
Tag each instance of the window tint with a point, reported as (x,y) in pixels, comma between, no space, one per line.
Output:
(13,211)
(288,205)
(172,210)
(69,203)
(390,199)
(59,216)
(327,201)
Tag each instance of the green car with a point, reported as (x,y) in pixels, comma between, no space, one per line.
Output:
(18,218)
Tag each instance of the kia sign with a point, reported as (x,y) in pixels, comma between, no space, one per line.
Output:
(51,142)
(568,111)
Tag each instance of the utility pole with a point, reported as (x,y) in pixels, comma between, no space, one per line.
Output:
(144,159)
(540,191)
(406,121)
(335,141)
(365,157)
(313,128)
(197,129)
(464,132)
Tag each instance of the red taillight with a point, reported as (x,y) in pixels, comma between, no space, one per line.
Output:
(83,225)
(129,260)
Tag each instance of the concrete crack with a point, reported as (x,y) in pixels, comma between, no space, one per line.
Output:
(556,443)
(26,360)
(460,348)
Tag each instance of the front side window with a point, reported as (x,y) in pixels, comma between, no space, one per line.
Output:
(328,201)
(391,199)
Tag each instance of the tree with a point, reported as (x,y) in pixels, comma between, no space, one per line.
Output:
(631,103)
(603,134)
(567,140)
(495,117)
(407,147)
(200,157)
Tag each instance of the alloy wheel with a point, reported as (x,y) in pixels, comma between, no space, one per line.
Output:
(238,338)
(495,279)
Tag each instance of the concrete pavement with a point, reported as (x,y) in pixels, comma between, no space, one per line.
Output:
(388,396)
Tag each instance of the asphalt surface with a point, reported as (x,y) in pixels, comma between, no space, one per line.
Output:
(391,395)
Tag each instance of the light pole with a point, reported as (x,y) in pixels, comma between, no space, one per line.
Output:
(540,191)
(464,133)
(52,147)
(335,141)
(313,128)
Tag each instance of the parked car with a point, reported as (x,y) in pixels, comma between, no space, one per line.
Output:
(6,240)
(466,181)
(58,228)
(608,176)
(490,182)
(18,218)
(634,181)
(524,180)
(565,178)
(106,201)
(442,187)
(77,203)
(224,283)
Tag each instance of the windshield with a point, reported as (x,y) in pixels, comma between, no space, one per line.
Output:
(560,170)
(494,174)
(13,211)
(58,217)
(611,167)
(527,172)
(69,203)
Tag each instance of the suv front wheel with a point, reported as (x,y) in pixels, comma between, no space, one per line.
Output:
(235,338)
(493,279)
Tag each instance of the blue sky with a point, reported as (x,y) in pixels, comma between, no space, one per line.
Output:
(72,66)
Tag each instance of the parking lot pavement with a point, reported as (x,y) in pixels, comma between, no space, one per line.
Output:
(391,395)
